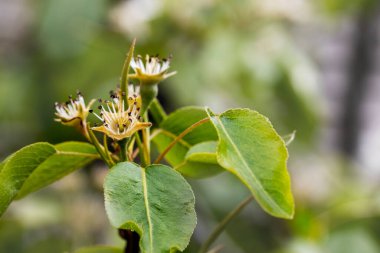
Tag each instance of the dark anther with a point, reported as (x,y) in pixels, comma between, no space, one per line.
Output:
(130,120)
(79,93)
(134,95)
(91,111)
(138,109)
(96,124)
(106,125)
(67,102)
(100,100)
(135,103)
(164,60)
(70,97)
(129,113)
(130,98)
(100,107)
(124,125)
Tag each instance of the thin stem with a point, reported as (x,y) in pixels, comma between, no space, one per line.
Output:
(99,147)
(179,137)
(105,144)
(146,140)
(221,226)
(158,113)
(141,149)
(83,129)
(123,149)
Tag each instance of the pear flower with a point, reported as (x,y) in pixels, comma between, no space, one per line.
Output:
(120,123)
(153,72)
(74,112)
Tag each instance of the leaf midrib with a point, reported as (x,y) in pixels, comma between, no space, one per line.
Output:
(76,154)
(147,208)
(247,167)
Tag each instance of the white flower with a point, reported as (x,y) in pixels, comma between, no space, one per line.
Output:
(74,112)
(120,123)
(154,70)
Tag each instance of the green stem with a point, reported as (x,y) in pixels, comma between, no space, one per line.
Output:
(107,152)
(148,94)
(141,150)
(179,137)
(158,113)
(98,147)
(123,149)
(221,226)
(146,140)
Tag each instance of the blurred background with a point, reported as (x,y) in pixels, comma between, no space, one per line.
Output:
(309,65)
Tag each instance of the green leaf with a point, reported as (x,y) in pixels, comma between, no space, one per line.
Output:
(250,148)
(69,157)
(18,168)
(200,161)
(99,249)
(38,165)
(175,124)
(156,202)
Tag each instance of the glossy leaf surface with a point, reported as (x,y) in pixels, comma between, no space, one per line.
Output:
(200,161)
(38,165)
(156,202)
(250,148)
(69,157)
(175,124)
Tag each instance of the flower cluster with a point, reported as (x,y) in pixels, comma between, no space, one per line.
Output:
(74,112)
(154,70)
(120,116)
(120,122)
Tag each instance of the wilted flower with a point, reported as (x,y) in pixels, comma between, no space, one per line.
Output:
(119,123)
(74,112)
(153,72)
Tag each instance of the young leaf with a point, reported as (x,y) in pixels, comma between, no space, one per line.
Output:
(156,202)
(38,165)
(200,161)
(250,148)
(99,249)
(175,124)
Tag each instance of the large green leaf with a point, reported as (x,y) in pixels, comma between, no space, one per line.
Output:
(18,168)
(38,165)
(250,148)
(200,161)
(99,249)
(175,124)
(156,202)
(69,156)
